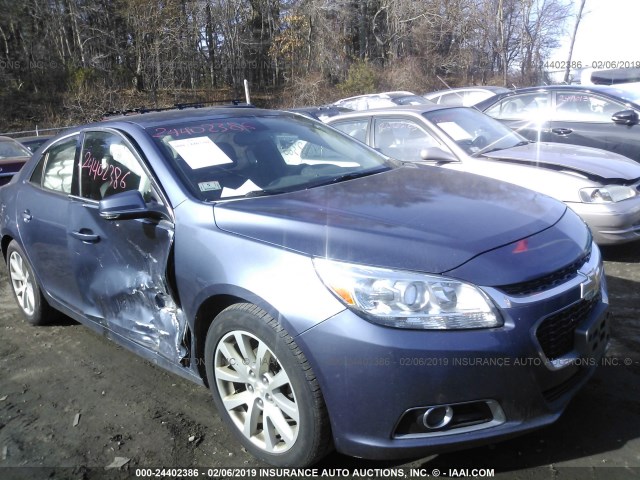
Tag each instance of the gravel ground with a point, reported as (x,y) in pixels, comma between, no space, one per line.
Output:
(73,404)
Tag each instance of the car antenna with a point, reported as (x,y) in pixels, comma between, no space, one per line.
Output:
(247,98)
(445,83)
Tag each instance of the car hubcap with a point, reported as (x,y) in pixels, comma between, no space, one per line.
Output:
(22,283)
(256,392)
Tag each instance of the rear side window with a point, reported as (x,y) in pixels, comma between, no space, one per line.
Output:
(55,169)
(402,138)
(521,107)
(355,128)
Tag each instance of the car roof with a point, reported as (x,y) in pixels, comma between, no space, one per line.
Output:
(33,138)
(613,91)
(412,109)
(488,88)
(172,116)
(7,139)
(585,88)
(394,94)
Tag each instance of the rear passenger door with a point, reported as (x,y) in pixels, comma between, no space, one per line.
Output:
(43,213)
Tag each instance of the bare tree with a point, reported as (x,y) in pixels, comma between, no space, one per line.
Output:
(567,71)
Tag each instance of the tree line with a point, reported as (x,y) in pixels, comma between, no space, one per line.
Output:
(64,61)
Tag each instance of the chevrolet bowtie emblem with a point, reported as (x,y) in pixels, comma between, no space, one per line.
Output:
(591,285)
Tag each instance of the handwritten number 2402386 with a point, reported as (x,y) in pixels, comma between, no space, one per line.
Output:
(108,173)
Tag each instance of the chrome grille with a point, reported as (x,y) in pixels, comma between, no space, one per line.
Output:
(548,281)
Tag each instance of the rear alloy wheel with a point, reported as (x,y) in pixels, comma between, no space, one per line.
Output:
(25,287)
(265,389)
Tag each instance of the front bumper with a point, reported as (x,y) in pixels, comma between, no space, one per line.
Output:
(373,378)
(611,223)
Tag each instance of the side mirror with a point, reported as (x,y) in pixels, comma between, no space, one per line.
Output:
(126,206)
(625,117)
(435,154)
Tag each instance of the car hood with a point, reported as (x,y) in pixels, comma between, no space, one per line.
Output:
(417,218)
(592,162)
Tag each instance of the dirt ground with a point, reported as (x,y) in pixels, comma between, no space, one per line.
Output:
(73,404)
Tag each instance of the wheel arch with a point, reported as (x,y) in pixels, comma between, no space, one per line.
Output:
(4,244)
(207,312)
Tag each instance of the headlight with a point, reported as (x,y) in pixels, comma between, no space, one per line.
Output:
(408,300)
(607,194)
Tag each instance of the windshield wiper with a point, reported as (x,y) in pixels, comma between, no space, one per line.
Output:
(348,176)
(263,193)
(485,151)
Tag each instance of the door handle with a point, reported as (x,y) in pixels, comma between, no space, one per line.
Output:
(86,236)
(26,216)
(561,131)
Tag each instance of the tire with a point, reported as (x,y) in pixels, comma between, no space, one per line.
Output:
(264,388)
(25,287)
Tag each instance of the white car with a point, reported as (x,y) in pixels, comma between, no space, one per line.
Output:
(464,96)
(381,100)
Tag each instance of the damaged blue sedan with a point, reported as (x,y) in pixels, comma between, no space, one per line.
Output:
(329,297)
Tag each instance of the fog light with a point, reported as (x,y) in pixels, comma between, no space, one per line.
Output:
(437,417)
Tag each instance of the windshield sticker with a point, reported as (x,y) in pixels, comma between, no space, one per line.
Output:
(200,152)
(204,128)
(455,131)
(209,186)
(243,189)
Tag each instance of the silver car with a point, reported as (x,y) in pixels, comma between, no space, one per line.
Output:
(602,187)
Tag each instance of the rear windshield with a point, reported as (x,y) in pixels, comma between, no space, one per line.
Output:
(11,148)
(227,157)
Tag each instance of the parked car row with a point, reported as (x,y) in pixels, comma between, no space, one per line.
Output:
(602,187)
(329,295)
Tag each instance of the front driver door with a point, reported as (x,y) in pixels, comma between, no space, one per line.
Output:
(123,263)
(582,118)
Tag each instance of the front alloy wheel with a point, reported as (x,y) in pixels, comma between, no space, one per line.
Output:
(265,389)
(256,392)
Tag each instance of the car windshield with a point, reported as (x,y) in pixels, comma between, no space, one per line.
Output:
(222,158)
(13,149)
(475,132)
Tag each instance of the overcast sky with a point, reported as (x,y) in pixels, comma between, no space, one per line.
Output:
(608,32)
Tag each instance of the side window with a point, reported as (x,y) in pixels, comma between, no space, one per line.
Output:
(531,106)
(356,128)
(55,170)
(109,166)
(402,138)
(582,107)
